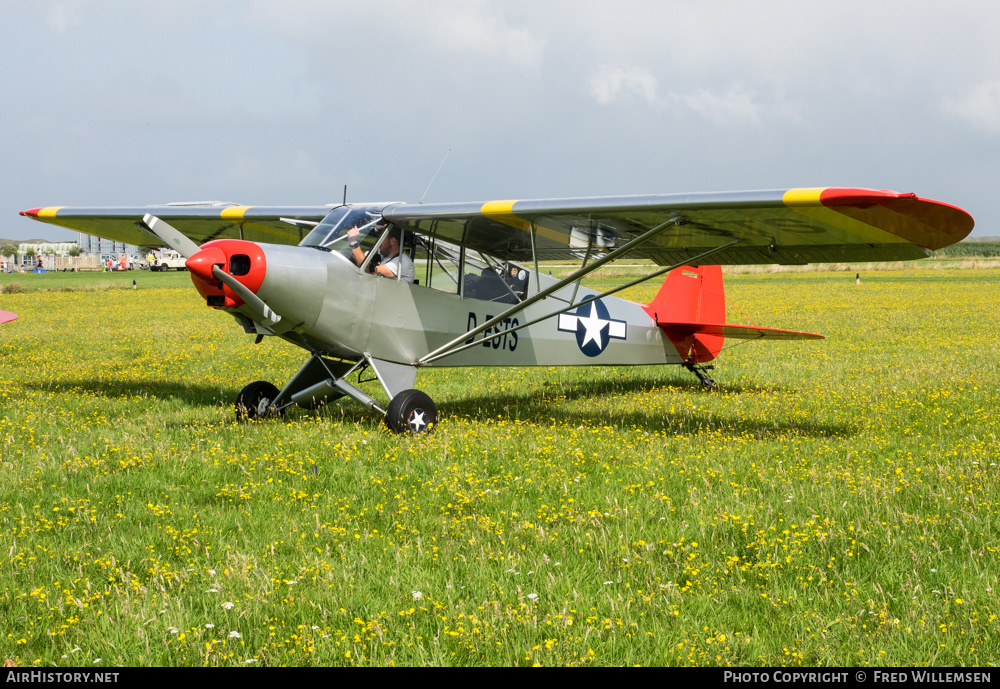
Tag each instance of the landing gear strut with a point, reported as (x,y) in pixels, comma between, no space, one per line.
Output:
(323,379)
(701,371)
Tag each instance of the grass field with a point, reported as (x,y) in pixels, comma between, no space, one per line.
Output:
(833,503)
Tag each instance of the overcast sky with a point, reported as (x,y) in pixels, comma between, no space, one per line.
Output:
(106,102)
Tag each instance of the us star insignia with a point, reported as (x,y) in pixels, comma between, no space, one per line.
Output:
(593,326)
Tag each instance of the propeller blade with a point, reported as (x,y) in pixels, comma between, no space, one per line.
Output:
(269,317)
(169,236)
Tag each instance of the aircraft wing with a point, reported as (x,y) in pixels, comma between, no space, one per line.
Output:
(815,225)
(812,225)
(199,222)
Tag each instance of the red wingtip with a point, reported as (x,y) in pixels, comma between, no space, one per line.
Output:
(31,212)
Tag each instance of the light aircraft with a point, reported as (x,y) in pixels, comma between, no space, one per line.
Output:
(309,275)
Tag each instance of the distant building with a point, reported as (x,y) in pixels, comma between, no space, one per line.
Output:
(56,248)
(105,248)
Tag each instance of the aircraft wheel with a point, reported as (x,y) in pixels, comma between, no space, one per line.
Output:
(411,411)
(254,401)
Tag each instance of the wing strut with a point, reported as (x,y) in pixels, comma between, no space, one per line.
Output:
(620,251)
(429,358)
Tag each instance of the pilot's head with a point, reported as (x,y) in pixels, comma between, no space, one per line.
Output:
(390,247)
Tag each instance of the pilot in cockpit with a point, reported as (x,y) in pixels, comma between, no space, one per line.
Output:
(393,262)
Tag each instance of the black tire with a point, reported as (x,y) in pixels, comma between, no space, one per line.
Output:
(254,401)
(411,411)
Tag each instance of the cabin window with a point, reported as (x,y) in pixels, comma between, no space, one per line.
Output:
(331,234)
(488,279)
(436,263)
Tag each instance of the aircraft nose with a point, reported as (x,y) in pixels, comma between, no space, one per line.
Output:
(201,263)
(244,261)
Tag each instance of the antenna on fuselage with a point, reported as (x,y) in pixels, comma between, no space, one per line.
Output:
(345,194)
(435,176)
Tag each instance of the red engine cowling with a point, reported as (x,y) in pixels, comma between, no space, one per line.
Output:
(243,260)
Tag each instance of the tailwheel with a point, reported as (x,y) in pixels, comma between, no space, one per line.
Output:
(702,372)
(255,401)
(411,411)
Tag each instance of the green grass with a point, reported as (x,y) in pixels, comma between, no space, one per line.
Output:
(94,280)
(834,502)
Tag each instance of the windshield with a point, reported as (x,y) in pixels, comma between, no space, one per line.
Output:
(331,233)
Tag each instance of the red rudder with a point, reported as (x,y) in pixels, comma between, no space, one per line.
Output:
(691,296)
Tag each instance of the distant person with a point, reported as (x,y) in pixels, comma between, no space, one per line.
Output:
(857,279)
(394,263)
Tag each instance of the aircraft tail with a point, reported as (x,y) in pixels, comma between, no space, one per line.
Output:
(690,309)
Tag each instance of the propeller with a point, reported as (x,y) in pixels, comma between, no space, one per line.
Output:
(268,317)
(171,236)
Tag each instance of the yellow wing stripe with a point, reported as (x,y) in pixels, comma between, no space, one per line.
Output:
(495,207)
(233,212)
(49,212)
(501,212)
(803,197)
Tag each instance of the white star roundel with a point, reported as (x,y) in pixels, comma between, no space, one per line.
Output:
(417,420)
(593,326)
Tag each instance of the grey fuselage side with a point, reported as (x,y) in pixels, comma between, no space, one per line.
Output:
(330,307)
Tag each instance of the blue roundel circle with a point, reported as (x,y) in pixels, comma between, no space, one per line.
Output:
(593,326)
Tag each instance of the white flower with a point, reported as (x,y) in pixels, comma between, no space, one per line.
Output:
(293,582)
(228,605)
(212,572)
(212,591)
(234,634)
(417,595)
(532,596)
(608,582)
(97,660)
(209,626)
(173,630)
(250,660)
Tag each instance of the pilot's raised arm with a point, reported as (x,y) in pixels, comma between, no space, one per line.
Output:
(393,262)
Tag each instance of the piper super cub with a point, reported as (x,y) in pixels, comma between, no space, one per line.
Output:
(394,288)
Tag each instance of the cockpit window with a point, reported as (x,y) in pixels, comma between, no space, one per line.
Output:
(331,233)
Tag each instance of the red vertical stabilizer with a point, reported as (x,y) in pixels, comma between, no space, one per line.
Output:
(690,309)
(689,298)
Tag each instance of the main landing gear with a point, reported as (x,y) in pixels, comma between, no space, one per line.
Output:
(323,380)
(411,411)
(701,371)
(256,401)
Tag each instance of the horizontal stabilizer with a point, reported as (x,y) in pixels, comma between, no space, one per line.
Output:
(739,332)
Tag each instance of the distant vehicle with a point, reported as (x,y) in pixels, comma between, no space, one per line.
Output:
(166,259)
